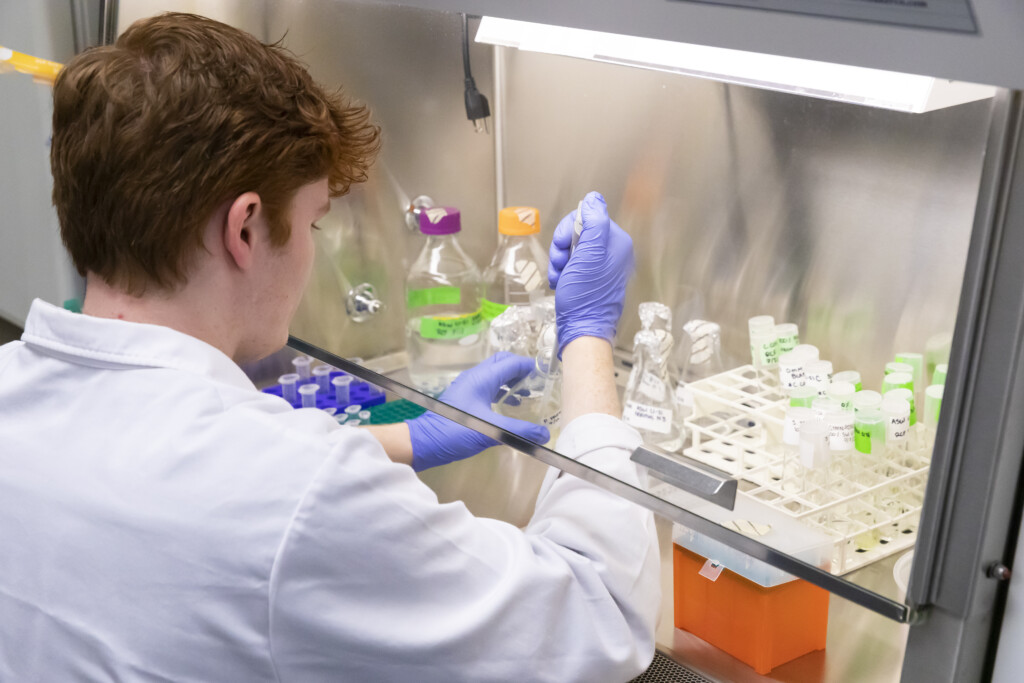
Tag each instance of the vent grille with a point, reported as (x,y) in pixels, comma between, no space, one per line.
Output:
(666,670)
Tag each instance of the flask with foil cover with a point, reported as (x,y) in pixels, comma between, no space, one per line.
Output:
(444,322)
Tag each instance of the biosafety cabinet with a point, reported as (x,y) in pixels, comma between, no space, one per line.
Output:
(851,167)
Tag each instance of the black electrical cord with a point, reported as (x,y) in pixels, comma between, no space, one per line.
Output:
(477,108)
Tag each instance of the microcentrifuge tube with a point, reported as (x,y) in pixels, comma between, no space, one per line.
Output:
(363,415)
(353,422)
(308,394)
(353,409)
(342,385)
(302,364)
(288,387)
(322,375)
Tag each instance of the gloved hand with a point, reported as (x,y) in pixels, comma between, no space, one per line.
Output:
(437,440)
(590,285)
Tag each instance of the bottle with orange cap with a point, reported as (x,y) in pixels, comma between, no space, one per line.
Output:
(518,272)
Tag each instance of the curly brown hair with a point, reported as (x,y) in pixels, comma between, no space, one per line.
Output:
(152,134)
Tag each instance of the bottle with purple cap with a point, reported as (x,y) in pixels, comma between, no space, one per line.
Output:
(444,290)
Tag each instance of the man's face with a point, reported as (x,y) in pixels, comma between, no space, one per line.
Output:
(284,271)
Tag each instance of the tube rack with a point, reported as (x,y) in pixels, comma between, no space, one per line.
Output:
(870,504)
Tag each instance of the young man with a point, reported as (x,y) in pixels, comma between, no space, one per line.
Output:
(161,519)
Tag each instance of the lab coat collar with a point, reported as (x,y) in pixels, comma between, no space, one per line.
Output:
(120,344)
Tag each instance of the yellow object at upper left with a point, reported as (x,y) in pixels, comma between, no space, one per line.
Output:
(41,70)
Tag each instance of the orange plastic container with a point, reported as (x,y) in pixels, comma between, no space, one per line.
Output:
(762,627)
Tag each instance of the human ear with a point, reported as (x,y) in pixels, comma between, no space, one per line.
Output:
(240,228)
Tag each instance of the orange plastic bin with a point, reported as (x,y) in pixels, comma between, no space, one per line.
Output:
(762,626)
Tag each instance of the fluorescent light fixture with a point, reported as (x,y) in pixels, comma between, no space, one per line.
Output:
(871,87)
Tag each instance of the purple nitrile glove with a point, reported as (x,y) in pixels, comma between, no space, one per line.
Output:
(437,440)
(590,285)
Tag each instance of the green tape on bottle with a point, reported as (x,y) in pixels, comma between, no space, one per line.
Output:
(451,327)
(433,296)
(492,310)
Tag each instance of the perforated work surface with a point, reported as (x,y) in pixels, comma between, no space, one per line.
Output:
(665,670)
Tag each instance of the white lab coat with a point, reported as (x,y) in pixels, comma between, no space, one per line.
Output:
(162,520)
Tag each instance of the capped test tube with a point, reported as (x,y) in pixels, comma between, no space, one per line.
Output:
(851,376)
(796,416)
(302,365)
(866,400)
(896,414)
(322,375)
(897,380)
(869,431)
(308,394)
(939,376)
(908,396)
(802,396)
(763,351)
(842,392)
(897,366)
(916,362)
(814,453)
(819,375)
(289,387)
(787,336)
(793,367)
(342,385)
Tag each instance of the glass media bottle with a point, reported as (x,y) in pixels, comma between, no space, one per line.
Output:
(444,321)
(518,272)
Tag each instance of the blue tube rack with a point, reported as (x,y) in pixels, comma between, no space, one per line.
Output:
(360,393)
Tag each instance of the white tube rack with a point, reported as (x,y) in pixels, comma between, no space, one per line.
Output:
(869,504)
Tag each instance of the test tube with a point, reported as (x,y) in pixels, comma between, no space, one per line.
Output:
(939,376)
(869,431)
(796,416)
(288,387)
(802,396)
(932,405)
(908,396)
(840,437)
(851,376)
(808,351)
(897,366)
(342,385)
(763,351)
(897,380)
(792,371)
(819,374)
(322,375)
(787,336)
(302,364)
(842,392)
(814,453)
(865,399)
(916,362)
(823,405)
(308,394)
(896,414)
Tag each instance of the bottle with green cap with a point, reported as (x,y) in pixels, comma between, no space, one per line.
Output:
(518,271)
(444,328)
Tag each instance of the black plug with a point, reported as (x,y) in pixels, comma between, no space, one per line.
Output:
(477,108)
